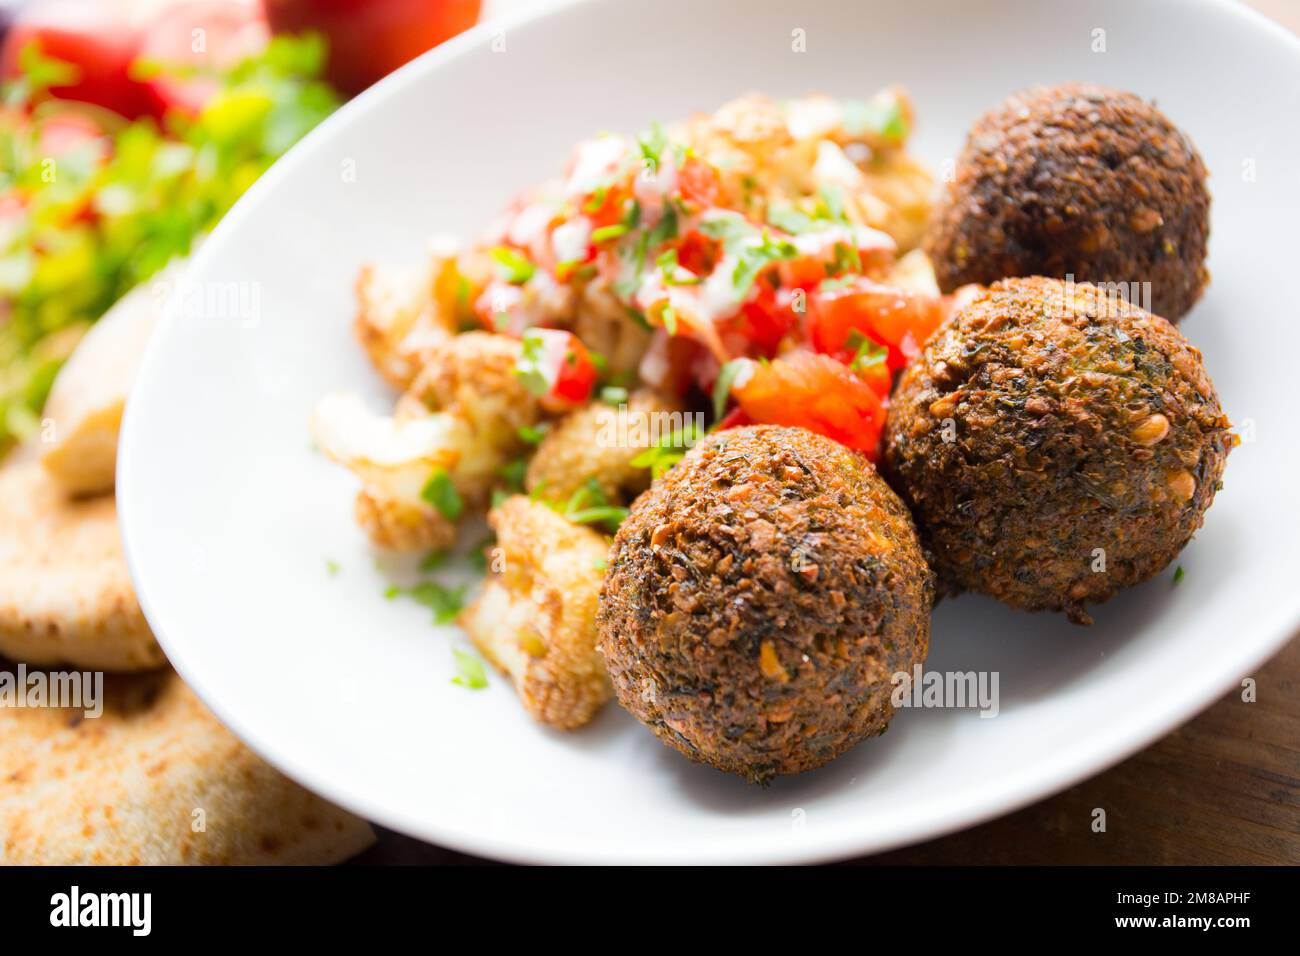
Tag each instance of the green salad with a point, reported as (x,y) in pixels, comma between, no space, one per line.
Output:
(91,204)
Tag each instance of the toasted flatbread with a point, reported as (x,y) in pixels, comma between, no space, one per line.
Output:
(83,413)
(65,594)
(155,779)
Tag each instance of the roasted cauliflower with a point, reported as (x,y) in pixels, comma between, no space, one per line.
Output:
(441,452)
(405,311)
(535,619)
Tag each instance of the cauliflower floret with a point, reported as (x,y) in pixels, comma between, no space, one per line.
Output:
(536,617)
(600,442)
(394,458)
(603,325)
(460,418)
(472,378)
(405,311)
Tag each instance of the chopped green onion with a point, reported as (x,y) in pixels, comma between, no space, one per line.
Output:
(512,266)
(605,233)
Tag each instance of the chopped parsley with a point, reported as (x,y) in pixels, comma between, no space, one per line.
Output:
(845,259)
(445,602)
(652,143)
(753,259)
(530,368)
(472,674)
(722,387)
(532,434)
(439,492)
(432,561)
(659,458)
(880,118)
(590,505)
(866,352)
(1179,574)
(331,567)
(512,473)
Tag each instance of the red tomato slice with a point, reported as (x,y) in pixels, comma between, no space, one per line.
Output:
(763,322)
(898,318)
(206,37)
(558,360)
(816,392)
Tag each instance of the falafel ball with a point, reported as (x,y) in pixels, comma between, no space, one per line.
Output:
(759,598)
(1055,444)
(1076,180)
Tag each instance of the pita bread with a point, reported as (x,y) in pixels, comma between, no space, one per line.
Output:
(65,594)
(155,780)
(84,409)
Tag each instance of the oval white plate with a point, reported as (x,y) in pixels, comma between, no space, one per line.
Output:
(230,518)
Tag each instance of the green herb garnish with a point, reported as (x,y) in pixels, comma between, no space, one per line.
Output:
(445,602)
(512,266)
(606,233)
(866,352)
(472,674)
(529,369)
(432,561)
(614,395)
(532,434)
(670,450)
(722,387)
(439,492)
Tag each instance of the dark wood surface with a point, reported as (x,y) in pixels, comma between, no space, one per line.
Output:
(1222,789)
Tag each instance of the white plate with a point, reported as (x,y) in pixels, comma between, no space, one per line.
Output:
(230,518)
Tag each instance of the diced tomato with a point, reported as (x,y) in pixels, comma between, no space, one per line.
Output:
(898,318)
(607,207)
(763,322)
(697,252)
(698,182)
(816,392)
(556,361)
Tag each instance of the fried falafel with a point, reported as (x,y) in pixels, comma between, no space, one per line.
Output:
(759,599)
(1076,180)
(1055,445)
